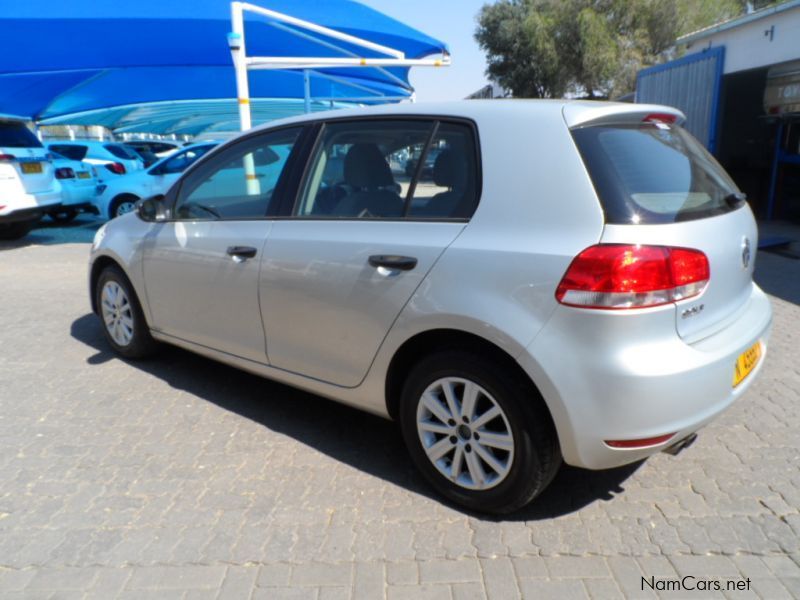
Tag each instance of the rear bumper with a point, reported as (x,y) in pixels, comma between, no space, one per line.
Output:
(29,206)
(610,383)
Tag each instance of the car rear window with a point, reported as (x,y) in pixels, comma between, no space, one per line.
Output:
(71,151)
(654,173)
(15,134)
(121,151)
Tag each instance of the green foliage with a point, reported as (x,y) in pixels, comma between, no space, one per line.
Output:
(592,48)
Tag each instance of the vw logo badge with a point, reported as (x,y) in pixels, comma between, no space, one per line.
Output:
(745,252)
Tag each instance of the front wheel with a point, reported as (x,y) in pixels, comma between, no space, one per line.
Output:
(123,321)
(122,205)
(478,431)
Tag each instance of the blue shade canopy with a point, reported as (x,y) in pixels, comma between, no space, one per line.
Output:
(164,66)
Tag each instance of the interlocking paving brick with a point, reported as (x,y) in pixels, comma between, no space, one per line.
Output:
(574,566)
(419,592)
(449,571)
(321,574)
(563,589)
(402,573)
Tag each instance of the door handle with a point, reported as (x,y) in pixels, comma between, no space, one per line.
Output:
(241,252)
(392,261)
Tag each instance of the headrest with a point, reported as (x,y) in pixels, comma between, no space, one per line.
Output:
(444,169)
(365,167)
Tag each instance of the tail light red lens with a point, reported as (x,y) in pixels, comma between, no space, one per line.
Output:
(116,167)
(65,173)
(8,157)
(620,276)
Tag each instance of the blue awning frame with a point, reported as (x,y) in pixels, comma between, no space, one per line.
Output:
(157,67)
(307,30)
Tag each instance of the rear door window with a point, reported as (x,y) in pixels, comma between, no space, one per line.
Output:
(71,151)
(122,152)
(391,169)
(14,134)
(654,173)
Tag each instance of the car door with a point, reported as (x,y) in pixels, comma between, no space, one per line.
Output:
(201,268)
(360,240)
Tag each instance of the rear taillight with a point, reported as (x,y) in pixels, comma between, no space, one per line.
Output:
(65,173)
(620,276)
(7,157)
(116,167)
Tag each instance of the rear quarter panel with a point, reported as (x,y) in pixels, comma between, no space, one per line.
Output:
(537,210)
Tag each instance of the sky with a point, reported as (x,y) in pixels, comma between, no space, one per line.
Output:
(453,22)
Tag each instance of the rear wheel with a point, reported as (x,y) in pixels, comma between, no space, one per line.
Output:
(124,324)
(122,205)
(478,431)
(16,230)
(64,215)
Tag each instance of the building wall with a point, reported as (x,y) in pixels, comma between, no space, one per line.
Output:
(772,39)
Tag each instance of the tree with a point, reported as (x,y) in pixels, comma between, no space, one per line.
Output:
(591,48)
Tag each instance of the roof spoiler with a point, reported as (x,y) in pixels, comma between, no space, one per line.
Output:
(584,114)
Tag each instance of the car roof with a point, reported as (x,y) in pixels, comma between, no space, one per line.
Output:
(575,112)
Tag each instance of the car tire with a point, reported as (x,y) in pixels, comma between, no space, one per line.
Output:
(64,215)
(16,230)
(124,324)
(121,205)
(514,455)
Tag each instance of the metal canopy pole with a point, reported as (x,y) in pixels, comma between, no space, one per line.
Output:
(307,90)
(242,63)
(236,42)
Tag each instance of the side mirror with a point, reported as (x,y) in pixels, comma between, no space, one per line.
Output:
(152,209)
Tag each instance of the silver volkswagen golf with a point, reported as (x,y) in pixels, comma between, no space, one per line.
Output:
(517,283)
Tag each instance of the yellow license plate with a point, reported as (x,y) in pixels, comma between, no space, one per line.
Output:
(83,175)
(746,362)
(31,167)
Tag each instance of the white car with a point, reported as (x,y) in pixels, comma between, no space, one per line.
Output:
(28,187)
(121,193)
(160,148)
(573,280)
(114,158)
(79,188)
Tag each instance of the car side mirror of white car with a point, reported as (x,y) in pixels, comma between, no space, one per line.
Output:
(152,209)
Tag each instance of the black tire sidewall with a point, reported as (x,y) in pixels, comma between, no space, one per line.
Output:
(532,431)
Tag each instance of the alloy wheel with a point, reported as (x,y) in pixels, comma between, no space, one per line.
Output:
(117,313)
(465,433)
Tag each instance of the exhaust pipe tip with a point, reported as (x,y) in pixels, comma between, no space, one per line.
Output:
(681,445)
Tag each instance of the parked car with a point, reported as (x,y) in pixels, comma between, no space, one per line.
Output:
(575,283)
(28,187)
(79,188)
(160,148)
(121,193)
(113,158)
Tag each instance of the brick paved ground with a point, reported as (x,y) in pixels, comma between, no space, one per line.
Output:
(182,478)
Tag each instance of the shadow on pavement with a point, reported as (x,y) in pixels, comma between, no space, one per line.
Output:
(328,427)
(47,232)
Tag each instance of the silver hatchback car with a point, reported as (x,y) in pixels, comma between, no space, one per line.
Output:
(566,280)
